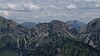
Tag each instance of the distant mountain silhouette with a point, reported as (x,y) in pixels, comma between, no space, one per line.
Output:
(76,24)
(28,25)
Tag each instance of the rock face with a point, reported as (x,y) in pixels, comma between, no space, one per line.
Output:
(54,26)
(92,31)
(49,37)
(12,35)
(54,39)
(93,25)
(45,39)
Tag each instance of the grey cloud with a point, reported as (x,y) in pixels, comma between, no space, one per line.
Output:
(47,10)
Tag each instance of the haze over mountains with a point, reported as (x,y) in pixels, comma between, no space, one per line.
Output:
(28,24)
(55,38)
(74,24)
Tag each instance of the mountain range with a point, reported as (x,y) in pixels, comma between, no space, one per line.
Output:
(55,38)
(74,24)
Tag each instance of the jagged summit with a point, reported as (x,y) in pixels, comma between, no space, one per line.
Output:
(56,21)
(96,19)
(1,18)
(93,25)
(54,26)
(11,35)
(75,20)
(5,22)
(92,32)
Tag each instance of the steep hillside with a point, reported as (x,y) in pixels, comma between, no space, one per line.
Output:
(12,36)
(92,33)
(45,39)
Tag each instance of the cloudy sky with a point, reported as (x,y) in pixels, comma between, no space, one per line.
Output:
(47,10)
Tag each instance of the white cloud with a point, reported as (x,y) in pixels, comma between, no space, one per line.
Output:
(31,6)
(89,0)
(96,1)
(97,5)
(12,6)
(48,9)
(34,7)
(4,13)
(71,6)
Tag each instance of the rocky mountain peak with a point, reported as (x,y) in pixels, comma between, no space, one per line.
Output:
(1,18)
(7,22)
(93,25)
(56,21)
(92,31)
(76,21)
(55,38)
(53,26)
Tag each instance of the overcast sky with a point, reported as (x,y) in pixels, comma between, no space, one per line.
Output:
(47,10)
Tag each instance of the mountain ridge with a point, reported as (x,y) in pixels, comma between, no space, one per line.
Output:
(55,38)
(92,30)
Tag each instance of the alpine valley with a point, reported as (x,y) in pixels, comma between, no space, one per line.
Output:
(55,38)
